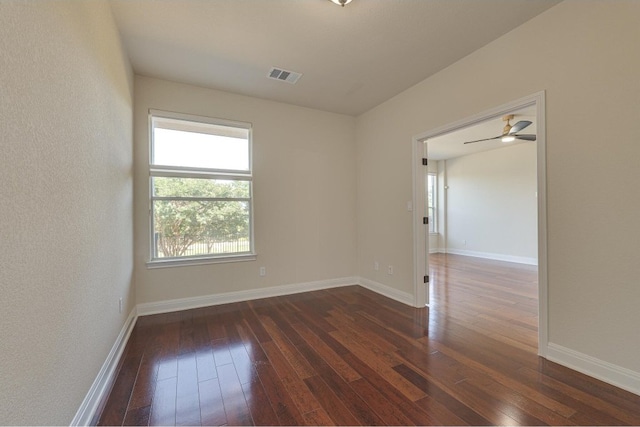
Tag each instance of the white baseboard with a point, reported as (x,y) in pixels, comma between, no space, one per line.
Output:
(101,385)
(497,257)
(616,375)
(229,297)
(387,291)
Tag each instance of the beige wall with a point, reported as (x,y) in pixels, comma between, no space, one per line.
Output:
(492,205)
(584,54)
(65,204)
(304,186)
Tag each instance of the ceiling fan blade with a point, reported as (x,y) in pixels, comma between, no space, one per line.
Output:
(519,126)
(526,137)
(486,139)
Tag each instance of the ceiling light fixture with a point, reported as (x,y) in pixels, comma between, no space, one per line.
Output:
(508,138)
(341,2)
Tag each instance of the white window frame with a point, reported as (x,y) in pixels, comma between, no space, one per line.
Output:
(191,172)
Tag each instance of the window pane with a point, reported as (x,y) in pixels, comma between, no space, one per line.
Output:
(431,221)
(196,228)
(201,150)
(431,201)
(194,187)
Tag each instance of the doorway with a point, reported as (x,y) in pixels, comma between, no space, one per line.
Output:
(534,104)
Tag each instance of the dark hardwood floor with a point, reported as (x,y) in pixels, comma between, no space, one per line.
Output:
(349,356)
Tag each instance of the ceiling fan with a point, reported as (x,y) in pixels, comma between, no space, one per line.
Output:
(509,132)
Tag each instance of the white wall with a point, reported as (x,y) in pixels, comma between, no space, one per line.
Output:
(66,203)
(492,204)
(304,186)
(584,54)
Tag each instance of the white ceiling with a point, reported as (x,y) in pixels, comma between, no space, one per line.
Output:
(352,58)
(452,145)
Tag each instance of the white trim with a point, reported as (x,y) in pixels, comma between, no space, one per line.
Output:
(230,297)
(102,384)
(184,262)
(387,291)
(537,99)
(248,295)
(608,372)
(199,119)
(494,256)
(543,278)
(420,239)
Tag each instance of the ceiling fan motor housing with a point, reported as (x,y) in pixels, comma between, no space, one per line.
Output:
(507,127)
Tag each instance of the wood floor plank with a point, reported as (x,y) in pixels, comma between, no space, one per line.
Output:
(281,402)
(318,417)
(299,392)
(235,405)
(221,353)
(521,387)
(205,363)
(349,356)
(259,405)
(356,405)
(450,400)
(388,401)
(252,321)
(335,407)
(187,393)
(163,409)
(211,405)
(383,364)
(244,366)
(137,417)
(585,404)
(327,353)
(288,349)
(386,410)
(116,407)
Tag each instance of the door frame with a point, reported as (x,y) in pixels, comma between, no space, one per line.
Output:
(420,237)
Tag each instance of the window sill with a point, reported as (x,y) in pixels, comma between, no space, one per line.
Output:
(186,262)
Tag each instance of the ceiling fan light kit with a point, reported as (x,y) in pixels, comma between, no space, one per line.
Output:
(341,2)
(508,138)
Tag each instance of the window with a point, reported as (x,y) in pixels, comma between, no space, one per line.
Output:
(200,189)
(432,201)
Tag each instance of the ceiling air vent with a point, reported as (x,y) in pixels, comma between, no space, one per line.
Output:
(284,75)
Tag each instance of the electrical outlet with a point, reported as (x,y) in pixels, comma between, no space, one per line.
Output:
(263,271)
(390,269)
(120,305)
(376,265)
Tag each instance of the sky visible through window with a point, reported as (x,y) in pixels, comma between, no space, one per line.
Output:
(199,150)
